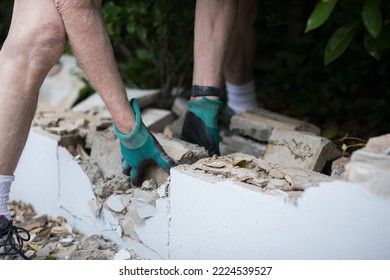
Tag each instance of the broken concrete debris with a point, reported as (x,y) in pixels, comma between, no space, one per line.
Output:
(371,166)
(254,172)
(51,237)
(338,167)
(94,247)
(118,203)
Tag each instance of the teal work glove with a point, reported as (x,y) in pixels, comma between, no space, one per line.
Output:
(140,148)
(201,124)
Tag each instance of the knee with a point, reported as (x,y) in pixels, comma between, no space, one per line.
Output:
(49,43)
(39,46)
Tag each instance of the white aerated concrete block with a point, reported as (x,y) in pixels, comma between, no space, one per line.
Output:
(36,178)
(50,179)
(214,219)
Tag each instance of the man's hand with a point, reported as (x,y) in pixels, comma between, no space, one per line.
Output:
(201,125)
(140,148)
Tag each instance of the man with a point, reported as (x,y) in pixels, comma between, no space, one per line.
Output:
(38,34)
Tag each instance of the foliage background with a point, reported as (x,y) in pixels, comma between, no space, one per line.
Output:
(153,45)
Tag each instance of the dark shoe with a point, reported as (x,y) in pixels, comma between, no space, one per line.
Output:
(11,240)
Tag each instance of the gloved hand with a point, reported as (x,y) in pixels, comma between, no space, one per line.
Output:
(201,124)
(140,148)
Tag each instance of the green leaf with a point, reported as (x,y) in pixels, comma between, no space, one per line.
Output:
(320,14)
(339,41)
(372,17)
(375,46)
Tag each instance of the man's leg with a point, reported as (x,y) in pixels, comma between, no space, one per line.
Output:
(214,21)
(34,44)
(238,70)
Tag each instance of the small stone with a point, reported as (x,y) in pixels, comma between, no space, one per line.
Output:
(215,164)
(47,250)
(149,185)
(275,173)
(145,211)
(115,203)
(276,183)
(66,241)
(95,208)
(338,166)
(122,255)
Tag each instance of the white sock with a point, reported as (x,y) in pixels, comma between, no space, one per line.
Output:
(241,97)
(5,188)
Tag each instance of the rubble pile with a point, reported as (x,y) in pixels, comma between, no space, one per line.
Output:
(53,238)
(250,171)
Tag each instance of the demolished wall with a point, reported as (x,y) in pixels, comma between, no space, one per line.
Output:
(272,204)
(234,207)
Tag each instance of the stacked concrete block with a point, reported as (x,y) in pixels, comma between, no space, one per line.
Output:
(259,123)
(298,149)
(286,140)
(157,119)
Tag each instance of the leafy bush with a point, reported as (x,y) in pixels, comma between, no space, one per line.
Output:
(350,95)
(372,14)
